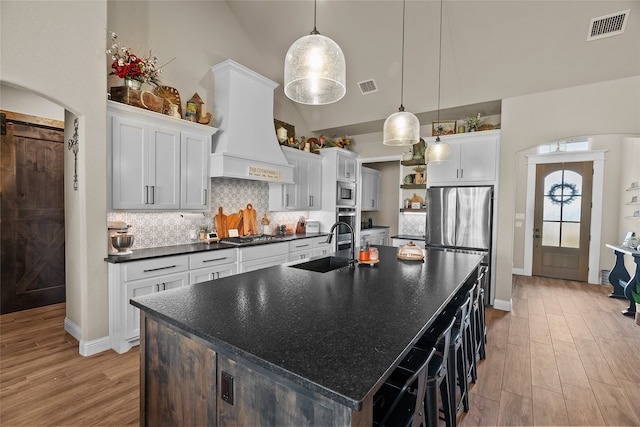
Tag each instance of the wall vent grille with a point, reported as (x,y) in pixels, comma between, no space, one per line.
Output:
(608,25)
(368,86)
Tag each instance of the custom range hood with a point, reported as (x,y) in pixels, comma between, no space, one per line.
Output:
(245,145)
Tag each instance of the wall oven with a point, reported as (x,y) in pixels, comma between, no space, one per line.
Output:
(346,194)
(343,236)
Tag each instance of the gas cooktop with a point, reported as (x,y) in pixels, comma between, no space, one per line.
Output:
(250,240)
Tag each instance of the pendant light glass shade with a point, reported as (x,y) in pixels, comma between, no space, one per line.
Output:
(401,128)
(315,71)
(438,151)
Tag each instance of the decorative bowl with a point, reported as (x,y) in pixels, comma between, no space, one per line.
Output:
(122,242)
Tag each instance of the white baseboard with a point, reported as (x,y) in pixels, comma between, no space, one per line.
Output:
(502,304)
(89,348)
(73,329)
(86,348)
(518,271)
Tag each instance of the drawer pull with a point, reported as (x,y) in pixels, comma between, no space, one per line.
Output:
(214,259)
(159,268)
(302,246)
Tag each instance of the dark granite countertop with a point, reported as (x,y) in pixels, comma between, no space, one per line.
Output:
(374,227)
(409,237)
(339,333)
(163,251)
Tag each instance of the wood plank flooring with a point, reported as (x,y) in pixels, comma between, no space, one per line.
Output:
(563,356)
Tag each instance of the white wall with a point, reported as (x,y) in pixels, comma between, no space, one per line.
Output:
(56,50)
(611,107)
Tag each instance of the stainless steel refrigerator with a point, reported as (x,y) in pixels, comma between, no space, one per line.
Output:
(461,218)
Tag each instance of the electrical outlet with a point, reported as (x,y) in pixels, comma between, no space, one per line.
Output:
(226,387)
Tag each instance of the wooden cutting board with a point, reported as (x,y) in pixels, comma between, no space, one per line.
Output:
(250,220)
(221,224)
(234,221)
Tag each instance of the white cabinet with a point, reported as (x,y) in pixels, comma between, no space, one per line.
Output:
(194,178)
(307,248)
(320,246)
(306,192)
(252,258)
(473,159)
(370,199)
(156,162)
(375,236)
(346,167)
(133,279)
(212,265)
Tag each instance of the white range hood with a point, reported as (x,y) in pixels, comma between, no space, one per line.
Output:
(245,145)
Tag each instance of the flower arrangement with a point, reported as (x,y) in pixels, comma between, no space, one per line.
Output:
(129,66)
(473,122)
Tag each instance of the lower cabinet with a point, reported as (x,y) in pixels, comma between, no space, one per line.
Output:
(262,256)
(129,280)
(205,266)
(307,248)
(133,279)
(375,236)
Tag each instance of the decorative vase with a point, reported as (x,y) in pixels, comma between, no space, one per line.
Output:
(133,84)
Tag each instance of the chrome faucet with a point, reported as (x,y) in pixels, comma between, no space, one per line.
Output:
(352,260)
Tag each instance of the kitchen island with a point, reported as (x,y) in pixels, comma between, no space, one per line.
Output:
(288,346)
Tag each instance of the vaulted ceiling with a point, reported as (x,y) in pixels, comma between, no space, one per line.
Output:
(491,50)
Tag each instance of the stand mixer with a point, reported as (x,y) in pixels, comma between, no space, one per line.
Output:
(119,240)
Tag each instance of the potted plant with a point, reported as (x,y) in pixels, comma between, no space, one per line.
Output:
(204,231)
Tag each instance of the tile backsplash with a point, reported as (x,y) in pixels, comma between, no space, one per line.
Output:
(154,229)
(413,225)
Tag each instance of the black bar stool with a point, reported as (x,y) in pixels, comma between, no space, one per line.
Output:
(438,336)
(479,322)
(464,346)
(400,400)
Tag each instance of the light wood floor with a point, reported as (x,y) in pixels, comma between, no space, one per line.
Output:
(564,356)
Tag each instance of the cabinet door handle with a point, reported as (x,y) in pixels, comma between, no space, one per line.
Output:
(302,246)
(159,268)
(146,194)
(286,199)
(214,259)
(205,197)
(164,286)
(461,173)
(153,194)
(310,200)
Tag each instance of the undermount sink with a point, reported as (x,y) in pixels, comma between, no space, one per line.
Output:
(323,265)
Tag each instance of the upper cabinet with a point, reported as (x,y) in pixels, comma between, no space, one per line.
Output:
(370,200)
(473,159)
(346,167)
(156,162)
(306,192)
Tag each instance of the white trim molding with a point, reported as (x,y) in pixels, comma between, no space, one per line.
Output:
(598,158)
(503,305)
(86,348)
(518,271)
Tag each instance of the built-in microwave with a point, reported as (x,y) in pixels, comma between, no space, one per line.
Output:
(346,195)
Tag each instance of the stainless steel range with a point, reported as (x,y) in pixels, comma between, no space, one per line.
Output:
(250,240)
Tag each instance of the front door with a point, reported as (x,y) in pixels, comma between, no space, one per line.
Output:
(562,220)
(32,213)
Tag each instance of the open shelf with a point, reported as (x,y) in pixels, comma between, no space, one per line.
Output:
(414,186)
(409,210)
(419,162)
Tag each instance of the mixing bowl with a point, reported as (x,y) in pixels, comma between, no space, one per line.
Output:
(122,242)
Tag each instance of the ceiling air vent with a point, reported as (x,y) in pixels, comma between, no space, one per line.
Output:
(368,86)
(608,25)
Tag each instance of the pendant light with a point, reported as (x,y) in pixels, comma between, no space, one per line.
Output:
(315,69)
(403,127)
(438,151)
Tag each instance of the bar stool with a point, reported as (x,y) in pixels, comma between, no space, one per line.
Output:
(400,400)
(479,323)
(438,336)
(464,346)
